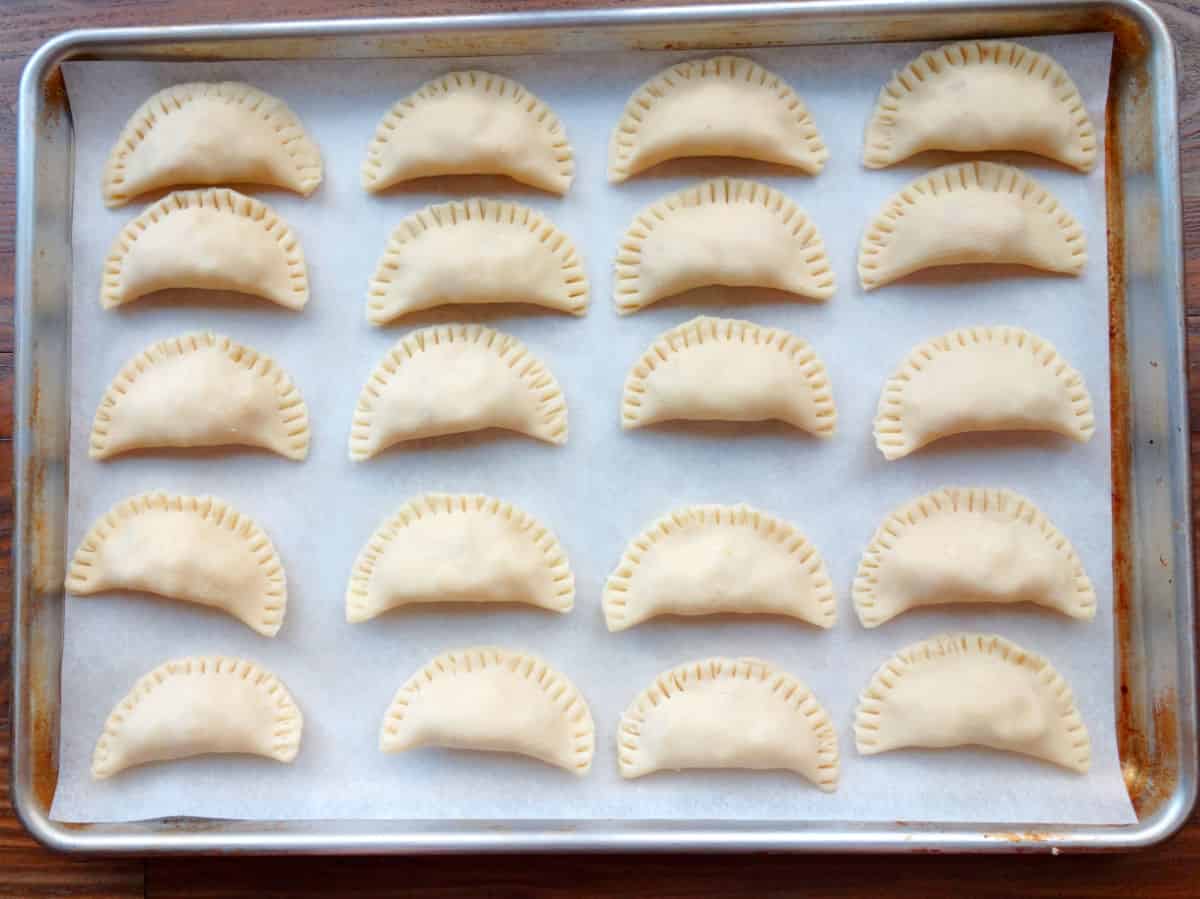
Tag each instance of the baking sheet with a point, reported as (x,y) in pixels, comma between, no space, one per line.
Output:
(599,490)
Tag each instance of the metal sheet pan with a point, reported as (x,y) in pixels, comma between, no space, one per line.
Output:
(1155,676)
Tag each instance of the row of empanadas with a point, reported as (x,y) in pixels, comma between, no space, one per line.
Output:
(953,690)
(205,390)
(726,231)
(954,545)
(973,96)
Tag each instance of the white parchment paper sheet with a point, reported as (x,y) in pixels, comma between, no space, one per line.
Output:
(598,491)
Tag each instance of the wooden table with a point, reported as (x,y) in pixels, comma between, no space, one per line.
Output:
(27,870)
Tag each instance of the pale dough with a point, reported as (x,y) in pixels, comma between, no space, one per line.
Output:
(451,379)
(192,548)
(981,379)
(725,231)
(476,251)
(201,390)
(439,548)
(972,690)
(981,95)
(198,706)
(211,133)
(721,369)
(705,560)
(470,123)
(971,545)
(728,713)
(215,239)
(492,700)
(723,106)
(970,213)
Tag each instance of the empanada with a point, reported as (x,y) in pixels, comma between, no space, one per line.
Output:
(981,95)
(215,239)
(981,379)
(969,544)
(451,379)
(470,123)
(193,548)
(722,369)
(211,133)
(972,690)
(970,213)
(723,106)
(441,548)
(199,706)
(728,713)
(201,390)
(477,251)
(704,560)
(492,700)
(725,231)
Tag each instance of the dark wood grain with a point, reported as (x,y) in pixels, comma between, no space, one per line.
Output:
(1172,870)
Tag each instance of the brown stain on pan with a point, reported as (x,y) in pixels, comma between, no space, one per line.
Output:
(1031,840)
(42,701)
(1131,750)
(54,97)
(1146,744)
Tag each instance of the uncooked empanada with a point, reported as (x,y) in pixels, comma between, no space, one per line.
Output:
(441,548)
(492,700)
(200,706)
(970,213)
(981,379)
(211,133)
(969,544)
(470,123)
(723,106)
(194,548)
(977,96)
(728,713)
(725,231)
(451,379)
(722,369)
(703,560)
(972,690)
(215,239)
(201,390)
(477,251)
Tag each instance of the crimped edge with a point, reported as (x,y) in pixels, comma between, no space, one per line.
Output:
(220,199)
(434,504)
(208,509)
(293,412)
(514,354)
(574,297)
(559,690)
(619,589)
(965,177)
(676,680)
(278,115)
(627,293)
(623,143)
(730,330)
(965,644)
(547,125)
(932,64)
(975,500)
(289,721)
(889,423)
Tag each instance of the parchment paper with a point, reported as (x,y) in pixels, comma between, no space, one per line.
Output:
(598,491)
